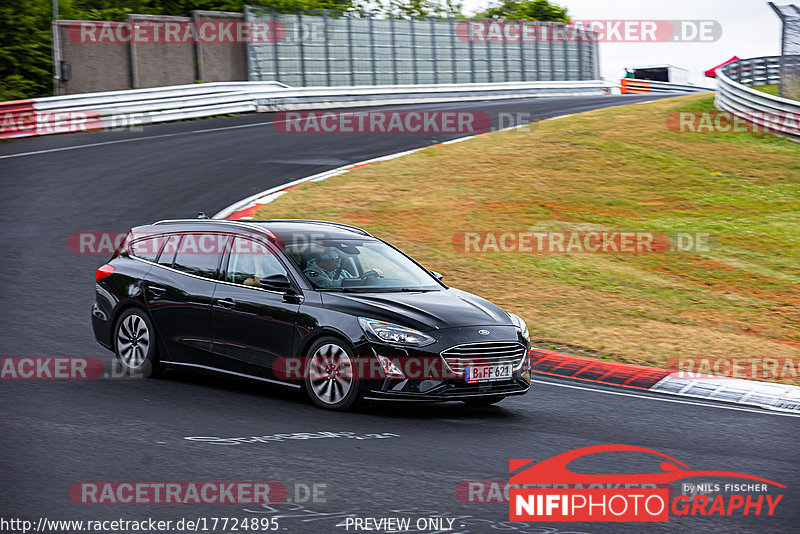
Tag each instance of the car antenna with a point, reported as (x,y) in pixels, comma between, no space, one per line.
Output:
(202,215)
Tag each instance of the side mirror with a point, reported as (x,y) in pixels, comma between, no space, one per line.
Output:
(436,275)
(275,282)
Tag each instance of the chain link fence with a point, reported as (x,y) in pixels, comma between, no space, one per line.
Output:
(334,48)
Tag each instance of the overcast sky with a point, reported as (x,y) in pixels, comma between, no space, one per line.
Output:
(749,29)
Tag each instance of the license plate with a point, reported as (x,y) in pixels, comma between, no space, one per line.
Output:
(487,373)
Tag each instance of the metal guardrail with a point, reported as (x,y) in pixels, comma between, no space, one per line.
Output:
(116,109)
(322,97)
(772,113)
(636,86)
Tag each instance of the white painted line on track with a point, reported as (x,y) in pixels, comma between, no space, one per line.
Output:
(132,139)
(765,411)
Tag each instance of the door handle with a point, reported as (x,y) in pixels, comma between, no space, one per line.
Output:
(226,303)
(158,290)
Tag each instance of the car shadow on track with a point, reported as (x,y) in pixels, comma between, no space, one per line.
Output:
(296,399)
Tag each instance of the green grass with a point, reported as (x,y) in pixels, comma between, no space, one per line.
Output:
(771,89)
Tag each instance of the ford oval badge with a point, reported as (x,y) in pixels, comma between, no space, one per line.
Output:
(484,332)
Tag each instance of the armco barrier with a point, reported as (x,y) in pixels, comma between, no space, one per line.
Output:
(322,97)
(635,86)
(771,113)
(17,116)
(61,114)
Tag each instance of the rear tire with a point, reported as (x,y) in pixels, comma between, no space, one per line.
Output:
(330,378)
(483,401)
(135,344)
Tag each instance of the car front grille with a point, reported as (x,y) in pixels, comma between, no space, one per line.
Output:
(460,357)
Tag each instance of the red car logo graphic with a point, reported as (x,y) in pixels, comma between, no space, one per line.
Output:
(554,470)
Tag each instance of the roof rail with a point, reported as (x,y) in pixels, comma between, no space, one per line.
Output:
(340,225)
(228,221)
(248,224)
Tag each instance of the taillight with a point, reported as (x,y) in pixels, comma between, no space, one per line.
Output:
(103,272)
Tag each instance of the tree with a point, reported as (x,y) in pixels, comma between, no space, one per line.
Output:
(420,8)
(525,10)
(25,60)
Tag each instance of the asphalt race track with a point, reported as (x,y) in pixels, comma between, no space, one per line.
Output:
(54,433)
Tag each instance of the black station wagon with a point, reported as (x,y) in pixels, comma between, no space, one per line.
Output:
(312,305)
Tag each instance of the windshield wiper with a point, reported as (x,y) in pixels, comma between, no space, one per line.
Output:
(416,290)
(337,289)
(375,289)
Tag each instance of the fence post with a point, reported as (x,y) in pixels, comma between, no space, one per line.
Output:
(413,50)
(471,58)
(327,45)
(350,49)
(433,49)
(275,51)
(372,52)
(249,48)
(523,71)
(536,41)
(566,54)
(552,51)
(489,70)
(302,50)
(453,58)
(394,50)
(504,44)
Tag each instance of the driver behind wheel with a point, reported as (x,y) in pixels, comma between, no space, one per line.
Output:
(326,270)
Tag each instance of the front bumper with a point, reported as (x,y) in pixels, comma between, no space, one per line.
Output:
(450,391)
(436,386)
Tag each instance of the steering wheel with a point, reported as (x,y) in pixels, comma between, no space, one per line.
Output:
(370,275)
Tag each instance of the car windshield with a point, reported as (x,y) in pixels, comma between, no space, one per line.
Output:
(358,266)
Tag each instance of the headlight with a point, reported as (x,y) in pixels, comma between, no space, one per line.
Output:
(392,333)
(520,324)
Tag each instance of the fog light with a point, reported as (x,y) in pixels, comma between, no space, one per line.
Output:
(390,368)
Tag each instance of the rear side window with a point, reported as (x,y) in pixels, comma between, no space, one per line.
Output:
(168,253)
(200,254)
(147,249)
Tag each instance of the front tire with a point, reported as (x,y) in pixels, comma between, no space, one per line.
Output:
(135,344)
(330,378)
